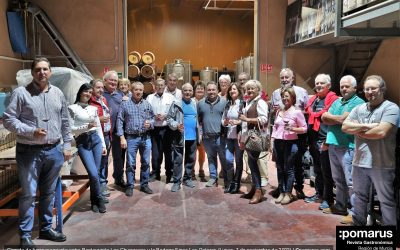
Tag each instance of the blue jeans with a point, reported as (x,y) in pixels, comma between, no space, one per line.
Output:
(37,168)
(103,172)
(143,145)
(286,152)
(341,165)
(253,165)
(383,183)
(118,158)
(215,146)
(89,151)
(234,154)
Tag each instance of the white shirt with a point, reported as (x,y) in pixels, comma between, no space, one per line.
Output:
(81,116)
(301,97)
(233,114)
(177,93)
(160,105)
(262,111)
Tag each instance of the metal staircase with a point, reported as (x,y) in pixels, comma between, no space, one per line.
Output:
(73,60)
(358,58)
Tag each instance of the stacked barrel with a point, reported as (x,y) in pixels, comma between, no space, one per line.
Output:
(142,68)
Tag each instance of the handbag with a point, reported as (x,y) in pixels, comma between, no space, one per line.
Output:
(256,141)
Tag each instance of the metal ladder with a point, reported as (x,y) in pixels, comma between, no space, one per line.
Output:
(73,60)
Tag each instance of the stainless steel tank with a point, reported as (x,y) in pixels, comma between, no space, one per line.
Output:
(248,65)
(208,74)
(238,68)
(182,69)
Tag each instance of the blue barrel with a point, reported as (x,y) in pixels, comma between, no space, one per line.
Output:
(4,101)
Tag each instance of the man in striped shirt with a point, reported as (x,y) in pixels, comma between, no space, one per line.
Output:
(38,115)
(135,119)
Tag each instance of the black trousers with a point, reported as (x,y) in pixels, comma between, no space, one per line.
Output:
(161,148)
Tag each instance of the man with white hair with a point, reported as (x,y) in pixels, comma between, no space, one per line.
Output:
(182,120)
(287,80)
(135,120)
(171,88)
(315,108)
(374,125)
(341,145)
(114,99)
(160,101)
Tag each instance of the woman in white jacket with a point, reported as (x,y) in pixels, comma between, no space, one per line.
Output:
(86,128)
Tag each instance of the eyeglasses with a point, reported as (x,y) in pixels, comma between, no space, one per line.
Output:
(372,89)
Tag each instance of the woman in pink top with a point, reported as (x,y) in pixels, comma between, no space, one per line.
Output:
(289,122)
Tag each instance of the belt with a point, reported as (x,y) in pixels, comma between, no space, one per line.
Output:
(39,146)
(211,135)
(138,134)
(90,132)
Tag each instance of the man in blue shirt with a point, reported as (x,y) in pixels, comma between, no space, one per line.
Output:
(182,119)
(341,145)
(114,99)
(135,119)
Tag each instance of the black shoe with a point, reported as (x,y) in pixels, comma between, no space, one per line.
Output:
(226,189)
(120,183)
(129,192)
(300,194)
(169,179)
(106,193)
(105,200)
(26,243)
(102,206)
(275,193)
(234,188)
(52,235)
(146,189)
(154,177)
(95,208)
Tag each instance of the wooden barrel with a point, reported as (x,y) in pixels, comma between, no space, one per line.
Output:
(148,57)
(134,57)
(147,71)
(148,88)
(133,71)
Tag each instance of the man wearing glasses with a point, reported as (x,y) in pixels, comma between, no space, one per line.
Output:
(374,125)
(287,80)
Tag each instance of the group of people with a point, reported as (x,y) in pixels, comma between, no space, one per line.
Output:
(352,143)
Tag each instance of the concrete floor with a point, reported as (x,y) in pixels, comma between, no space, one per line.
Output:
(198,216)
